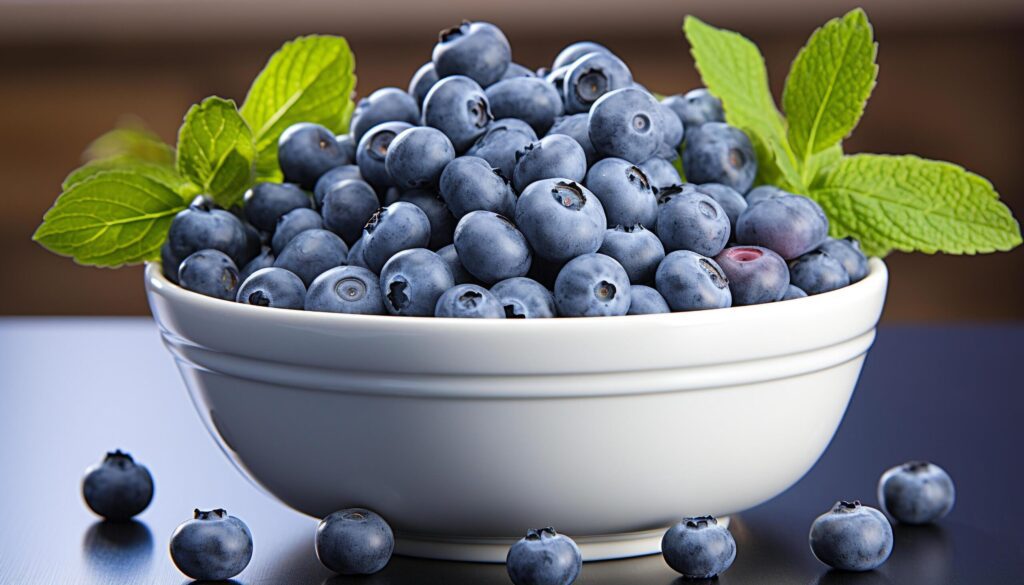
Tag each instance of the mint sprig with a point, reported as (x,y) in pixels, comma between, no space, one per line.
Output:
(216,150)
(889,203)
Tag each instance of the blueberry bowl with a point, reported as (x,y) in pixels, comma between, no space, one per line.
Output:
(464,433)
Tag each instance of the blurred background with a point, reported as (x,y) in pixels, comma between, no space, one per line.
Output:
(950,87)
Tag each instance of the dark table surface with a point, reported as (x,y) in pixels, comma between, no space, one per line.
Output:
(71,389)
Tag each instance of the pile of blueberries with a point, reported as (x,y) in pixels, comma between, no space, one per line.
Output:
(214,545)
(489,190)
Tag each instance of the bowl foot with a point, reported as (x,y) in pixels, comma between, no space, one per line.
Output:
(493,550)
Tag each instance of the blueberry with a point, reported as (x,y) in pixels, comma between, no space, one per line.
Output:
(818,272)
(372,152)
(731,201)
(355,254)
(265,259)
(577,127)
(311,253)
(592,285)
(851,537)
(637,249)
(469,183)
(516,70)
(791,225)
(530,99)
(793,292)
(347,144)
(556,77)
(756,275)
(478,50)
(211,273)
(451,257)
(625,191)
(346,289)
(691,220)
(499,145)
(626,123)
(201,226)
(491,248)
(292,224)
(719,153)
(847,252)
(917,492)
(555,156)
(354,542)
(691,282)
(442,223)
(347,206)
(695,108)
(169,262)
(592,76)
(544,557)
(253,238)
(576,50)
(671,133)
(333,177)
(561,219)
(117,488)
(265,203)
(387,104)
(272,287)
(469,301)
(417,156)
(421,82)
(213,546)
(412,281)
(458,107)
(399,226)
(662,173)
(646,301)
(698,548)
(764,192)
(306,151)
(524,298)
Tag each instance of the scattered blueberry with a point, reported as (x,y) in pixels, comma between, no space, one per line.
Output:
(347,206)
(646,301)
(273,287)
(458,107)
(417,156)
(307,151)
(916,492)
(691,282)
(265,203)
(555,156)
(790,225)
(818,272)
(372,152)
(292,224)
(412,281)
(637,249)
(346,289)
(399,226)
(756,275)
(334,176)
(529,99)
(561,219)
(851,537)
(577,127)
(695,108)
(211,273)
(847,252)
(544,557)
(212,546)
(592,285)
(499,145)
(626,123)
(718,153)
(478,50)
(442,223)
(592,76)
(117,488)
(387,104)
(311,253)
(524,298)
(354,542)
(691,220)
(625,192)
(202,226)
(469,301)
(698,548)
(491,248)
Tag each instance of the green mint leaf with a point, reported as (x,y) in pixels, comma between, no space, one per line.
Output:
(822,161)
(733,69)
(829,85)
(911,204)
(131,140)
(164,172)
(216,150)
(309,79)
(111,218)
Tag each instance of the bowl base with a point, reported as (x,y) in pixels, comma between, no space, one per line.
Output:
(604,547)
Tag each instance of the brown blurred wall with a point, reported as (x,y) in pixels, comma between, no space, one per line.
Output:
(949,88)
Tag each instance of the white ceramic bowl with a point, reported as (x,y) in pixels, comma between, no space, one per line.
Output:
(464,433)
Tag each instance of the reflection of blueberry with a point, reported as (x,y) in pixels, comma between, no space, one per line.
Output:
(212,546)
(354,542)
(698,548)
(117,488)
(917,492)
(115,548)
(851,537)
(544,557)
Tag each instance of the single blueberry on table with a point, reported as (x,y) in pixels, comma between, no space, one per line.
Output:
(306,151)
(311,253)
(372,152)
(818,272)
(346,289)
(211,273)
(577,127)
(763,193)
(695,108)
(265,259)
(626,123)
(387,104)
(458,107)
(117,488)
(517,70)
(756,275)
(478,50)
(637,249)
(646,301)
(698,548)
(529,99)
(691,282)
(719,153)
(731,201)
(555,156)
(203,226)
(421,82)
(212,546)
(292,224)
(592,285)
(661,172)
(347,206)
(469,301)
(442,222)
(571,53)
(417,156)
(355,541)
(847,252)
(499,145)
(790,225)
(273,287)
(451,257)
(916,492)
(691,220)
(851,537)
(793,292)
(265,203)
(491,248)
(399,226)
(625,191)
(412,281)
(561,219)
(544,557)
(524,298)
(333,177)
(592,76)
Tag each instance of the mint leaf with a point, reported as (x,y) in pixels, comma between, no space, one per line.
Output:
(733,70)
(132,140)
(124,162)
(216,150)
(822,161)
(911,204)
(111,218)
(829,84)
(309,79)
